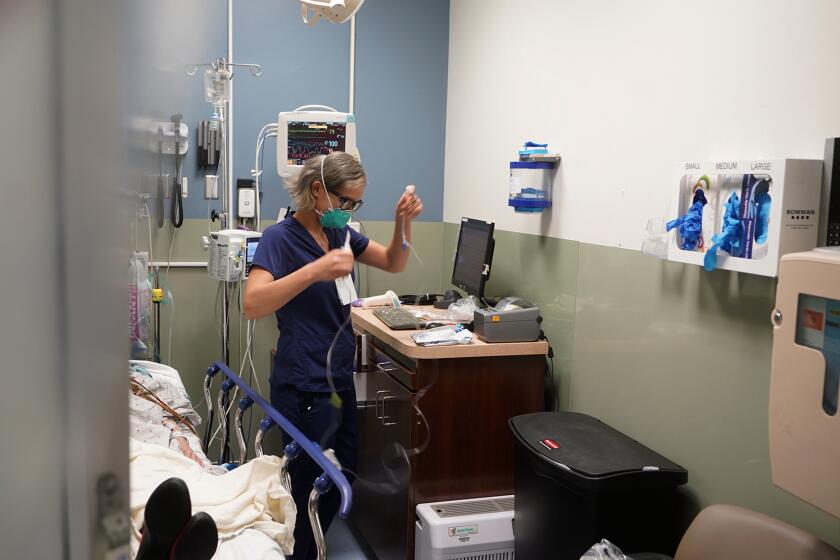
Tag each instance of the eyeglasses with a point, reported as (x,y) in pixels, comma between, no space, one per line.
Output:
(347,204)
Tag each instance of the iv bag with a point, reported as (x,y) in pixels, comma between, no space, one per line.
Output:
(216,86)
(139,305)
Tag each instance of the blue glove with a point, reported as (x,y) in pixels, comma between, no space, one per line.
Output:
(690,224)
(530,144)
(762,218)
(729,239)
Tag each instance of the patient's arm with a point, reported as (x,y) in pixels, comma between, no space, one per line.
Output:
(181,440)
(186,450)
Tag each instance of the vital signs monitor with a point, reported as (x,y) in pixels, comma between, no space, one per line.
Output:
(303,134)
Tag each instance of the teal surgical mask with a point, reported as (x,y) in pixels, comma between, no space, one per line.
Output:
(334,217)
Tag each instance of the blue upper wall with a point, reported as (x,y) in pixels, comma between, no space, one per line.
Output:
(301,65)
(401,72)
(402,58)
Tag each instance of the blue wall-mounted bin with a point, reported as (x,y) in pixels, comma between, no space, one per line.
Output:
(530,186)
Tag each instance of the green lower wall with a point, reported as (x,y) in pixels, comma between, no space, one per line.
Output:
(540,269)
(423,272)
(195,329)
(674,357)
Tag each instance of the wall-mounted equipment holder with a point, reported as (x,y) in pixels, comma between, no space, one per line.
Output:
(532,178)
(743,215)
(209,144)
(165,136)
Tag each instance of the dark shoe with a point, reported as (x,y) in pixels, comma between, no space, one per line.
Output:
(167,511)
(198,540)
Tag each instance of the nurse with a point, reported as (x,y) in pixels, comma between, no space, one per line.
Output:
(292,276)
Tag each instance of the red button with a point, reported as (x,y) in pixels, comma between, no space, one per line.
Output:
(550,444)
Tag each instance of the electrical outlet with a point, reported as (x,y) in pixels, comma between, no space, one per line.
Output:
(246,203)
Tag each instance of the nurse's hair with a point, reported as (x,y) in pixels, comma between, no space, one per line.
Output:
(339,169)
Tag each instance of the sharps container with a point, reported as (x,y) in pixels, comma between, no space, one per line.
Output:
(577,481)
(530,185)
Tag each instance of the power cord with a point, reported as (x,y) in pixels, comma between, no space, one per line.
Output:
(549,371)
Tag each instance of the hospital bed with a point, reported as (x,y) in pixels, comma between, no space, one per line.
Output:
(331,470)
(252,543)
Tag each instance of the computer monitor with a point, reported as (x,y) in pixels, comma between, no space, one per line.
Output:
(473,256)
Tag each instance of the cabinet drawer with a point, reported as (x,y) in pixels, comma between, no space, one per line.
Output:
(391,366)
(383,504)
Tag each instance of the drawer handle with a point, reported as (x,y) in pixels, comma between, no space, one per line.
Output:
(385,418)
(381,367)
(380,403)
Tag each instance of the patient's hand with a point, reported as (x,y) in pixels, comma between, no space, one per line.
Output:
(186,450)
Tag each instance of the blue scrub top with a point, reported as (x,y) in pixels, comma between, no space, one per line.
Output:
(309,321)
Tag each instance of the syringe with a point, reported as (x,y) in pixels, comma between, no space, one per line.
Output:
(409,190)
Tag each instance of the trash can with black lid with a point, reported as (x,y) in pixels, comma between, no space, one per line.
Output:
(577,481)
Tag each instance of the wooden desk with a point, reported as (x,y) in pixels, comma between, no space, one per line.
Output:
(448,407)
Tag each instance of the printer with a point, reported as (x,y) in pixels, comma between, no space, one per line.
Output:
(511,320)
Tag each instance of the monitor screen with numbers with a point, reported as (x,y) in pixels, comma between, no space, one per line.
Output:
(304,134)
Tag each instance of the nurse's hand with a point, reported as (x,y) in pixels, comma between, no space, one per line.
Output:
(410,205)
(335,264)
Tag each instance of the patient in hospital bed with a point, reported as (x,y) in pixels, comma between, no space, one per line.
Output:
(161,412)
(253,512)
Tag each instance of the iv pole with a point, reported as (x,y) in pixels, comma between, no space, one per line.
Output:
(226,217)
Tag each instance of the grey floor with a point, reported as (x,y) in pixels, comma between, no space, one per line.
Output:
(342,543)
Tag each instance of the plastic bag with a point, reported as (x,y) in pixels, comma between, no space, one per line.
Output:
(604,550)
(442,336)
(463,310)
(655,243)
(139,305)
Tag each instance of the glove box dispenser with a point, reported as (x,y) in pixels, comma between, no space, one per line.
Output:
(744,215)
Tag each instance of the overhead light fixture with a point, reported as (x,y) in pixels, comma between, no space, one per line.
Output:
(335,11)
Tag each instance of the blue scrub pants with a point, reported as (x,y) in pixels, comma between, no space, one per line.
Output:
(313,415)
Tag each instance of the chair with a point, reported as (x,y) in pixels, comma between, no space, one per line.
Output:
(725,532)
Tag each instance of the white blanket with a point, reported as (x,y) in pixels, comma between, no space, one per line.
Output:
(250,496)
(250,545)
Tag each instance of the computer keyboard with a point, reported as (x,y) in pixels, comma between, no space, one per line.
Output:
(399,319)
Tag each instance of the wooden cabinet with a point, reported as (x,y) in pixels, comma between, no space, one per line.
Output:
(381,495)
(433,427)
